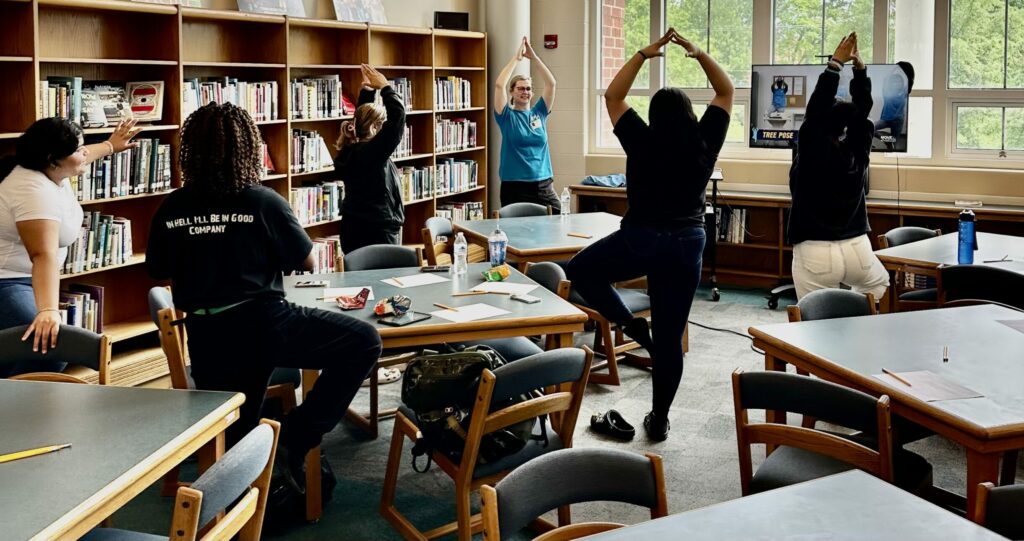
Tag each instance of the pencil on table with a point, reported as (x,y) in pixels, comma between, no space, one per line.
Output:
(945,354)
(446,307)
(399,282)
(580,235)
(475,292)
(32,452)
(467,293)
(896,377)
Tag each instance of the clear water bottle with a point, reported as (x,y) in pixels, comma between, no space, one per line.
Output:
(496,244)
(967,242)
(460,261)
(565,201)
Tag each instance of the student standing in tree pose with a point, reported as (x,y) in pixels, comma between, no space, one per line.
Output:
(224,240)
(525,168)
(828,224)
(668,164)
(372,211)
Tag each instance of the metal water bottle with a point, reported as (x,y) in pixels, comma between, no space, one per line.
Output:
(967,242)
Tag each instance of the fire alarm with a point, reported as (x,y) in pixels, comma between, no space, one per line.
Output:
(550,41)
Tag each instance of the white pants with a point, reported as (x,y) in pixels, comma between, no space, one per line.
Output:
(820,264)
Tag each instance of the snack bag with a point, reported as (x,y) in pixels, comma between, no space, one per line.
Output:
(497,274)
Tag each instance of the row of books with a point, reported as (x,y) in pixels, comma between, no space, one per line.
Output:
(461,211)
(144,169)
(732,225)
(319,97)
(259,98)
(417,183)
(317,203)
(403,87)
(454,134)
(405,145)
(453,176)
(81,305)
(98,104)
(451,93)
(310,152)
(104,240)
(326,254)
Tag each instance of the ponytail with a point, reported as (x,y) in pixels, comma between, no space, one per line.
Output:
(348,135)
(357,130)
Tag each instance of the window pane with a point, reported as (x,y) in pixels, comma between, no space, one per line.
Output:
(919,129)
(911,35)
(690,19)
(625,28)
(737,132)
(979,128)
(976,43)
(1015,51)
(605,135)
(845,16)
(797,32)
(732,38)
(1015,128)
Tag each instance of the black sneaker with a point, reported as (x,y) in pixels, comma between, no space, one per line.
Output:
(289,471)
(640,331)
(656,426)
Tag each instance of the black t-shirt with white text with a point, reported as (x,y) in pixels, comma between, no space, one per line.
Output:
(219,251)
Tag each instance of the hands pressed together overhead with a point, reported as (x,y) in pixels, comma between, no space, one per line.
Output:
(847,50)
(654,49)
(525,50)
(373,78)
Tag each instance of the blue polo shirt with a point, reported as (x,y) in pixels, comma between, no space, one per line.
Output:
(524,143)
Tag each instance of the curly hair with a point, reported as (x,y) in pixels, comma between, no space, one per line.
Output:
(221,150)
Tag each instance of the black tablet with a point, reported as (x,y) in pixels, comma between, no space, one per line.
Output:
(403,320)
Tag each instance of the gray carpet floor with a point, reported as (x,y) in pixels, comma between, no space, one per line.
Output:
(700,455)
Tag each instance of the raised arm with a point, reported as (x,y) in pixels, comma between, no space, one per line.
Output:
(860,87)
(501,83)
(545,74)
(618,89)
(824,94)
(720,81)
(387,139)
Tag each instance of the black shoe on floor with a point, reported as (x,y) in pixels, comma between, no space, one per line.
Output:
(640,331)
(611,423)
(289,470)
(657,426)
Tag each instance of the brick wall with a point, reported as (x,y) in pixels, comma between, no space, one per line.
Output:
(613,40)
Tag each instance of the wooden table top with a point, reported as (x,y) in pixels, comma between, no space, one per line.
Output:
(942,250)
(121,438)
(538,235)
(984,355)
(847,506)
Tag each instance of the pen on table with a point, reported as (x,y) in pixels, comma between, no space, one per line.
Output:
(945,354)
(580,235)
(465,293)
(399,282)
(330,298)
(446,307)
(896,377)
(1005,258)
(32,452)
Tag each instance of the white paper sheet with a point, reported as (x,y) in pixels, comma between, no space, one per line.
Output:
(413,280)
(470,312)
(331,292)
(505,287)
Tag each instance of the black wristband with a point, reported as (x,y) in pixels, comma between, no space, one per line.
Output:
(641,53)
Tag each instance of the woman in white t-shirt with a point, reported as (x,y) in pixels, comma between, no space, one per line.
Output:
(40,217)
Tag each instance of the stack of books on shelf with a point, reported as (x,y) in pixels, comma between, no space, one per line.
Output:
(403,87)
(99,104)
(310,152)
(451,93)
(81,305)
(454,134)
(405,146)
(317,203)
(316,97)
(259,99)
(144,169)
(453,176)
(461,211)
(104,240)
(326,254)
(732,225)
(416,183)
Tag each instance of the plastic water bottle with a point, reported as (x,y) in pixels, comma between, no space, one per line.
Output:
(967,242)
(460,264)
(496,244)
(565,201)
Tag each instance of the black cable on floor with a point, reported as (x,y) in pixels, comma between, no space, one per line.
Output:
(730,331)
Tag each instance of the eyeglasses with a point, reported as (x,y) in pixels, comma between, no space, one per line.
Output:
(524,89)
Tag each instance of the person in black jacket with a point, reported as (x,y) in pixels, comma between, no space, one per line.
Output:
(372,212)
(828,224)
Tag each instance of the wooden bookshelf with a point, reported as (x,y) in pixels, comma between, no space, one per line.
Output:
(128,41)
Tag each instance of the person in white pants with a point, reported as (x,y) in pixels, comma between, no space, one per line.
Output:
(820,264)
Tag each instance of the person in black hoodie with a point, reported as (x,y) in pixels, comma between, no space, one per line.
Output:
(372,211)
(828,224)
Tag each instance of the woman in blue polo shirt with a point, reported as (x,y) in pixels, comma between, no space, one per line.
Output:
(525,168)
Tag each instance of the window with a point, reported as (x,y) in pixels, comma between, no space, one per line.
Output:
(990,128)
(723,28)
(986,44)
(806,31)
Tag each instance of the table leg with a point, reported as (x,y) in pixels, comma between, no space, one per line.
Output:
(210,453)
(981,467)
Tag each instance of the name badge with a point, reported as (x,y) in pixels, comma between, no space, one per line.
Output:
(535,122)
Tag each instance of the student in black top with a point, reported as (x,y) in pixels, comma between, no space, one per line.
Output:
(668,164)
(828,224)
(372,212)
(224,240)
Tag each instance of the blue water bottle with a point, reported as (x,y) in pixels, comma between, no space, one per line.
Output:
(496,244)
(967,242)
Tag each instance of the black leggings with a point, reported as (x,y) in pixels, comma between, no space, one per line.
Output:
(540,193)
(356,233)
(671,260)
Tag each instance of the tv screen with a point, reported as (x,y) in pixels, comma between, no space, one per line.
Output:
(779,94)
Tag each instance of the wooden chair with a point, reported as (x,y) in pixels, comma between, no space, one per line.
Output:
(570,476)
(906,297)
(796,454)
(240,480)
(999,509)
(562,371)
(75,345)
(439,242)
(961,285)
(519,210)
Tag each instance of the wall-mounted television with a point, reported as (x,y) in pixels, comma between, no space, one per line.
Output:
(779,94)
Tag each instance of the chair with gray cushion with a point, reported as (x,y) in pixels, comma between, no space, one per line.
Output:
(796,454)
(961,285)
(237,484)
(561,478)
(832,304)
(911,298)
(999,509)
(75,345)
(439,241)
(520,210)
(563,371)
(382,256)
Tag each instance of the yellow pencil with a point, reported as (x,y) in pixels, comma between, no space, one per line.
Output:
(446,307)
(896,377)
(32,452)
(399,282)
(580,235)
(467,293)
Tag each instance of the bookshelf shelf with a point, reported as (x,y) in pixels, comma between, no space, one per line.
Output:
(317,172)
(411,157)
(130,328)
(405,68)
(324,66)
(135,260)
(414,112)
(11,135)
(108,61)
(225,15)
(271,122)
(458,68)
(459,151)
(276,176)
(232,65)
(310,120)
(417,201)
(471,190)
(124,198)
(111,5)
(751,245)
(15,58)
(322,222)
(145,128)
(463,110)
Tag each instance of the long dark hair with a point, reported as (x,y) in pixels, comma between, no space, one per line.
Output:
(44,143)
(221,150)
(675,126)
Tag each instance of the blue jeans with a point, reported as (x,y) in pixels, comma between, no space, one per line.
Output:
(671,260)
(18,307)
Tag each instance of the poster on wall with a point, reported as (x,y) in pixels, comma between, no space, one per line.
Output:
(360,11)
(294,8)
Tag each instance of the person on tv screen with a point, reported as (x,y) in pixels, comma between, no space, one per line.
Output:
(779,90)
(828,223)
(894,108)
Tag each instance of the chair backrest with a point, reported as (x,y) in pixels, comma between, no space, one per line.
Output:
(172,336)
(518,210)
(831,304)
(999,509)
(816,398)
(550,276)
(75,345)
(242,478)
(904,235)
(438,240)
(569,476)
(382,256)
(969,284)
